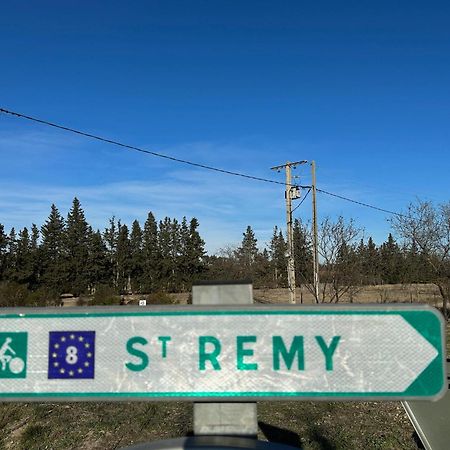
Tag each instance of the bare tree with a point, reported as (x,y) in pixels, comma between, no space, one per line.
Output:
(340,264)
(428,227)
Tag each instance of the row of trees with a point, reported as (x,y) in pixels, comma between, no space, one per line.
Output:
(67,255)
(347,259)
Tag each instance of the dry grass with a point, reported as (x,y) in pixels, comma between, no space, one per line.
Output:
(386,293)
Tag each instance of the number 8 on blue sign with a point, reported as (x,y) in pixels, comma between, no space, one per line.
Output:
(71,354)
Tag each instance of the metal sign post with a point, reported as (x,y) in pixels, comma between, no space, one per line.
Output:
(432,420)
(217,353)
(232,418)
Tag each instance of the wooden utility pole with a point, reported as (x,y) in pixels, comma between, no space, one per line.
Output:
(292,192)
(315,238)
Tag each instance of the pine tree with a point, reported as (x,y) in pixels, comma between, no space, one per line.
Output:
(110,236)
(370,262)
(263,270)
(184,255)
(278,249)
(52,252)
(77,249)
(11,255)
(247,253)
(98,262)
(136,269)
(24,263)
(196,250)
(391,261)
(123,258)
(191,264)
(35,257)
(3,251)
(165,251)
(151,255)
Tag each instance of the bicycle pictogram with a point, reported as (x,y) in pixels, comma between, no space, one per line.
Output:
(13,351)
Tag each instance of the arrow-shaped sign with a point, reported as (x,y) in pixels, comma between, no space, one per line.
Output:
(352,352)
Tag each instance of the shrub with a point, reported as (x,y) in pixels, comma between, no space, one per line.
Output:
(13,294)
(42,297)
(105,295)
(160,298)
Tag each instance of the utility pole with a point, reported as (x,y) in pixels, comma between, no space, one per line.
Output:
(292,192)
(315,239)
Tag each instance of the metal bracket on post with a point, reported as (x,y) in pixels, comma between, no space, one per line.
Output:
(231,418)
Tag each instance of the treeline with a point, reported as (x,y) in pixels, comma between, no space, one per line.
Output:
(346,260)
(66,255)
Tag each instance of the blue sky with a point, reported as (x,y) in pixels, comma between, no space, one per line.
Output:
(363,88)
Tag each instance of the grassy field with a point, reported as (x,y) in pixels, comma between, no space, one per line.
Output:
(310,425)
(113,425)
(388,293)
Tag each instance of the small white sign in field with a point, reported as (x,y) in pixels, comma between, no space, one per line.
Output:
(219,352)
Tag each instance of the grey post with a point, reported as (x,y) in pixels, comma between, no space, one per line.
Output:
(431,420)
(231,418)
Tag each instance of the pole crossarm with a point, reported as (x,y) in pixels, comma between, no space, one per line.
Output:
(290,164)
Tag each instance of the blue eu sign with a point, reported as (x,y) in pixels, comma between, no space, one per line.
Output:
(71,354)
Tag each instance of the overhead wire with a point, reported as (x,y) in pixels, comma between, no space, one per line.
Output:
(139,149)
(360,203)
(187,162)
(303,199)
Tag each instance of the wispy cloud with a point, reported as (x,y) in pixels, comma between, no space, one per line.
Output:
(129,186)
(224,206)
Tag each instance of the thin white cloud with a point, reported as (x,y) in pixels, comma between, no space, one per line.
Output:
(224,205)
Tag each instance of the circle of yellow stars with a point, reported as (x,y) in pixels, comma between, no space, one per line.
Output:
(55,355)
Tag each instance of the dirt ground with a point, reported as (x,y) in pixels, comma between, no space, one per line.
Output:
(307,425)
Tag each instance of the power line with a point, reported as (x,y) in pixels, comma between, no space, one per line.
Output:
(303,199)
(138,149)
(360,203)
(183,161)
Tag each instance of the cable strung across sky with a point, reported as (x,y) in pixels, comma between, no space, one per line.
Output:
(183,161)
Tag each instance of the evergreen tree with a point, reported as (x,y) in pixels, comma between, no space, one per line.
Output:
(151,255)
(35,257)
(11,255)
(247,254)
(23,272)
(165,252)
(52,252)
(369,262)
(391,261)
(77,249)
(110,236)
(123,258)
(196,250)
(136,269)
(184,257)
(278,249)
(175,281)
(98,262)
(263,269)
(3,251)
(192,253)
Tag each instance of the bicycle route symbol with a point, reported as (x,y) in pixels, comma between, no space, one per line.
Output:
(13,355)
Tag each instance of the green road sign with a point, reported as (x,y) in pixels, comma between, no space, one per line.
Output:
(13,355)
(234,353)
